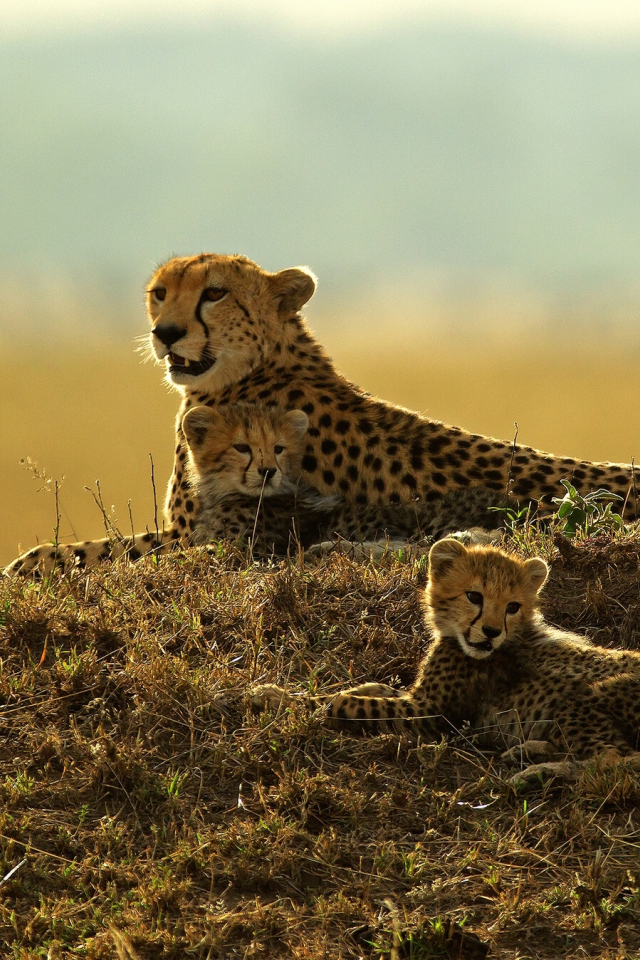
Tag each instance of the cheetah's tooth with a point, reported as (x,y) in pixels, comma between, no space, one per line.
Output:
(187,363)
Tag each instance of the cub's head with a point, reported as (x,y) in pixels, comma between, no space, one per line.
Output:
(237,448)
(481,595)
(215,317)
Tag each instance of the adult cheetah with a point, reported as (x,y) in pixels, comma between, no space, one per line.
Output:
(228,331)
(245,468)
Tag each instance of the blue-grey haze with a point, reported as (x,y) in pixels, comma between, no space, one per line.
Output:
(425,147)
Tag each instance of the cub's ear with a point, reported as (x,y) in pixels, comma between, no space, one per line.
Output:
(297,422)
(197,423)
(444,554)
(292,288)
(536,573)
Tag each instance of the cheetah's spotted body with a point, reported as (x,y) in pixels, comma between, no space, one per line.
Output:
(496,665)
(230,332)
(244,465)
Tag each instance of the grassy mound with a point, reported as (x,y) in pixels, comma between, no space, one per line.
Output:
(151,813)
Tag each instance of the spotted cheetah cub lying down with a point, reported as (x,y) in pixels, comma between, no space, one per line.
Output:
(496,665)
(244,463)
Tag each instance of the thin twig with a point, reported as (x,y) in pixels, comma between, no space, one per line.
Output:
(255,522)
(56,531)
(13,870)
(509,478)
(155,499)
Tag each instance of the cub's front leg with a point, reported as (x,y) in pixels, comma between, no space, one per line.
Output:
(377,708)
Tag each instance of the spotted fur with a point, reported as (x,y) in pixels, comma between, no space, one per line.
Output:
(495,665)
(363,449)
(244,466)
(229,332)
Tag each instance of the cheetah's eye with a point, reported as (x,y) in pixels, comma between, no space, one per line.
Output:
(159,293)
(474,597)
(278,450)
(513,607)
(214,293)
(242,447)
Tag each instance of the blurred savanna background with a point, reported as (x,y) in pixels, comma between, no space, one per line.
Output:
(462,176)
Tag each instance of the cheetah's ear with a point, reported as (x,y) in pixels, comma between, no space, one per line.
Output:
(443,555)
(197,423)
(292,288)
(536,573)
(297,421)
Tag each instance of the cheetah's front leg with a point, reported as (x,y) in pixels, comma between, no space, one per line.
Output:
(42,560)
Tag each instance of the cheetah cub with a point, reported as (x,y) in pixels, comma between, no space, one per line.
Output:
(244,462)
(495,665)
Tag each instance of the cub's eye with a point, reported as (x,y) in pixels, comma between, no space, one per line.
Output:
(513,607)
(474,597)
(159,293)
(278,450)
(213,294)
(242,447)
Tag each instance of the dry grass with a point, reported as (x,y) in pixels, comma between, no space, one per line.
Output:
(158,816)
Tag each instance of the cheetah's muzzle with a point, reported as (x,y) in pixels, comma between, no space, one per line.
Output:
(486,646)
(193,368)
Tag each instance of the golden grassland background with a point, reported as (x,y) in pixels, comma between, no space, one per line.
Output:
(96,412)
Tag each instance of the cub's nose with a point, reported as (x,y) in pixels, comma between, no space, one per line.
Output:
(491,632)
(267,472)
(168,334)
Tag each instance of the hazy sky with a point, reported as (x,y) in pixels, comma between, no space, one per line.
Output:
(591,19)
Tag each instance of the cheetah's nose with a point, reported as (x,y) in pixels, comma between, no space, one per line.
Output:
(267,473)
(168,334)
(491,632)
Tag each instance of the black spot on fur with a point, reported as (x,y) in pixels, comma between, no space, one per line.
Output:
(436,444)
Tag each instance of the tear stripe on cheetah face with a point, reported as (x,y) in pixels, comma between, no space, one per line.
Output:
(539,685)
(241,448)
(360,448)
(481,599)
(212,318)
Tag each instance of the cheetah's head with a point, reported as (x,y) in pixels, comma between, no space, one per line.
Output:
(481,595)
(238,448)
(214,318)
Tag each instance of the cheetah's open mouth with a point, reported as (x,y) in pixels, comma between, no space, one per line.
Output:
(485,645)
(192,368)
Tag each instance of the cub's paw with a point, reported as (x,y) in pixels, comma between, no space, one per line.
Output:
(373,690)
(539,773)
(531,750)
(269,696)
(477,536)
